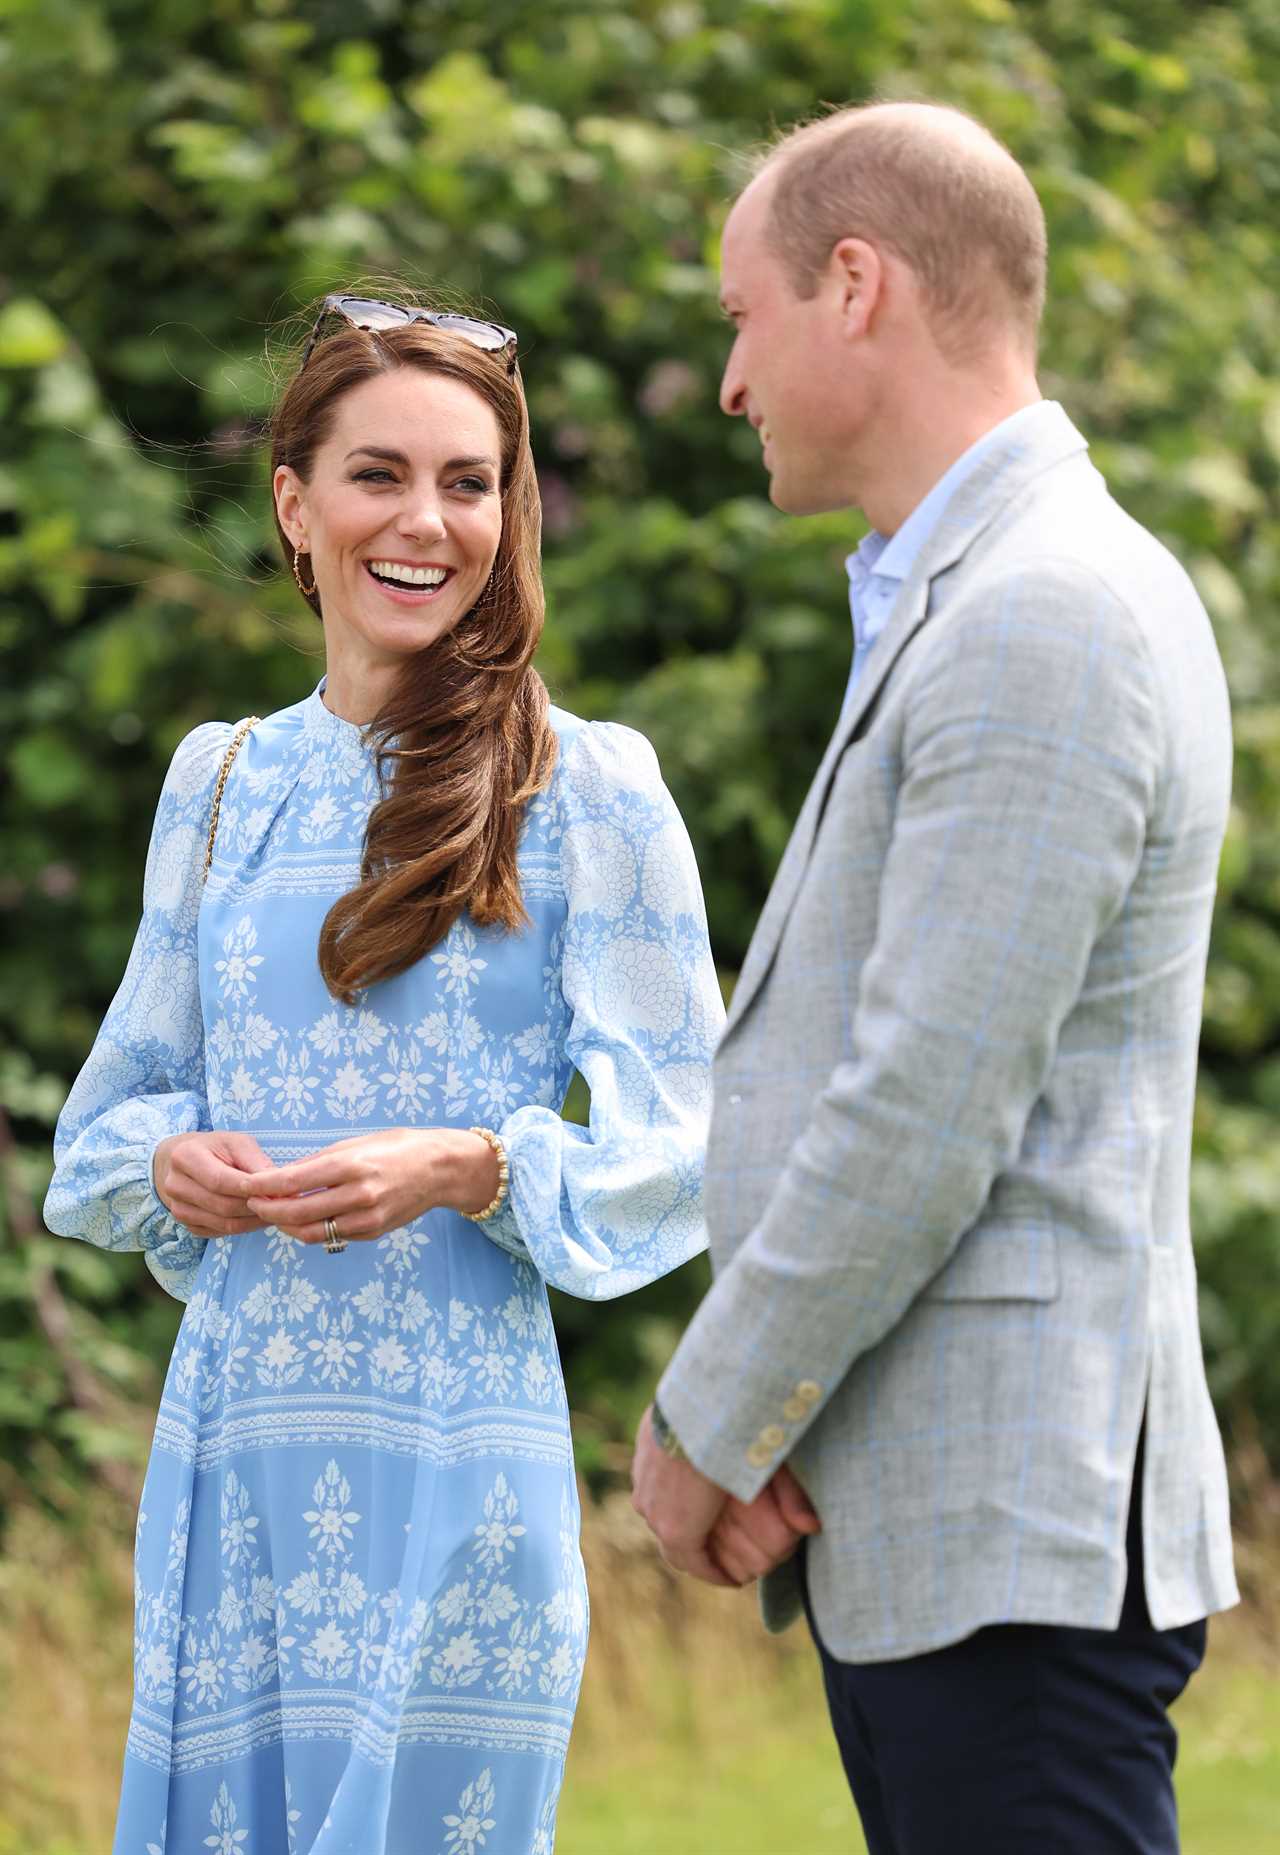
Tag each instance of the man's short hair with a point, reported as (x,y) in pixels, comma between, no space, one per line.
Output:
(933,186)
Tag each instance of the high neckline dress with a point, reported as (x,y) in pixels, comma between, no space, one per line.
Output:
(361,1610)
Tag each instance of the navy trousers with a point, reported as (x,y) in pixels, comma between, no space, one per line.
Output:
(1024,1739)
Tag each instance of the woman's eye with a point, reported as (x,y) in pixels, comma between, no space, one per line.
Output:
(473,485)
(374,476)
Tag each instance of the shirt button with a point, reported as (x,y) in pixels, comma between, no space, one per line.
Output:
(772,1437)
(809,1391)
(735,1101)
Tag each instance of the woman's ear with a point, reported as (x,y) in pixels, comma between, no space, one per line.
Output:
(287,488)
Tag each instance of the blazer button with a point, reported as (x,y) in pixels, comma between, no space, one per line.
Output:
(759,1457)
(772,1437)
(809,1391)
(735,1101)
(795,1410)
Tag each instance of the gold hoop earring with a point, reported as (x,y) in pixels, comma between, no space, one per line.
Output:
(306,591)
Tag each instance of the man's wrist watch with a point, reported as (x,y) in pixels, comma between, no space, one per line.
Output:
(664,1436)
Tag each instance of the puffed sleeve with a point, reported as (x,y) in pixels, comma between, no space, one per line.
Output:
(604,1209)
(144,1078)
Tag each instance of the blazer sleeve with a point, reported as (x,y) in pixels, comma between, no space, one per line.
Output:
(144,1078)
(604,1209)
(1029,769)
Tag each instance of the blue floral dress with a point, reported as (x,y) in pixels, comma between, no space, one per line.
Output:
(361,1612)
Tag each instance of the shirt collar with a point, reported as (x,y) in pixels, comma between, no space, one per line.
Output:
(891,557)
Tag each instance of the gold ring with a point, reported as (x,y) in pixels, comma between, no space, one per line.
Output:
(333,1243)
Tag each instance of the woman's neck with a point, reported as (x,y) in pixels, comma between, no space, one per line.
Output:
(357,692)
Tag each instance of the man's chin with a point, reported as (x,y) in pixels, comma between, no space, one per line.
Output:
(794,498)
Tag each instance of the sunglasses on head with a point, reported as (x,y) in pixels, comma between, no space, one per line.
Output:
(364,312)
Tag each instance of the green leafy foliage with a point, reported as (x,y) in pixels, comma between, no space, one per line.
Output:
(179,177)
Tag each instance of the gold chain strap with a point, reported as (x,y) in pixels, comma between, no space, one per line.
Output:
(250,721)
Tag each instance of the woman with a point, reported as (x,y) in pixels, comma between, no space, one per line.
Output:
(361,1615)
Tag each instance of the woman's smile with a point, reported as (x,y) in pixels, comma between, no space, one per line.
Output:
(407,582)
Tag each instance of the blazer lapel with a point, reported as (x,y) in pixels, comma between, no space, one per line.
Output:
(1041,441)
(909,612)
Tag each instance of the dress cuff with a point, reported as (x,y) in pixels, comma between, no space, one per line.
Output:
(171,1252)
(503,1229)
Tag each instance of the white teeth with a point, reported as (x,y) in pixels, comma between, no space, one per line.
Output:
(408,576)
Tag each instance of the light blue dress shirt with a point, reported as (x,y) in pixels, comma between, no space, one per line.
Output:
(880,563)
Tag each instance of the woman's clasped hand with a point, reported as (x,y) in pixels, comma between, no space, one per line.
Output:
(376,1183)
(223,1184)
(203,1179)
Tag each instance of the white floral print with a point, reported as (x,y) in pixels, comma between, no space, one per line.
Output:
(469,1827)
(607,864)
(236,969)
(226,1838)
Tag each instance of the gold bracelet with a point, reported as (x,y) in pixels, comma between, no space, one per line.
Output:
(504,1175)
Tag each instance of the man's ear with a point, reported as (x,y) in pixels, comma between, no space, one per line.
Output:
(857,277)
(287,488)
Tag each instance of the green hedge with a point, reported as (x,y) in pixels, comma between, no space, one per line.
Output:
(180,176)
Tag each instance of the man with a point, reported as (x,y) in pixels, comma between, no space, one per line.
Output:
(947,1183)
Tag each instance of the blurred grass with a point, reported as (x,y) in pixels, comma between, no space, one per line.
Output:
(697,1734)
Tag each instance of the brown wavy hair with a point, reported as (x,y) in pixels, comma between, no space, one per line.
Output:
(464,741)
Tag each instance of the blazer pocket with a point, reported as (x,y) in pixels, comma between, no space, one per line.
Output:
(1000,1262)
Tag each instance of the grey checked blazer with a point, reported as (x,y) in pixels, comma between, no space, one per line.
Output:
(947,1181)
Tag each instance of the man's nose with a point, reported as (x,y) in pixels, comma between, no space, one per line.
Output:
(733,388)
